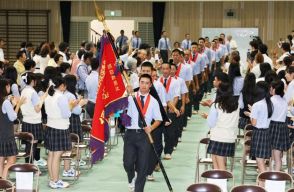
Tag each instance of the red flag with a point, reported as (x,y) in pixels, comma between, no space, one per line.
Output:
(110,99)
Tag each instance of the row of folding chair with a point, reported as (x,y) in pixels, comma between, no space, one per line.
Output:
(272,181)
(246,163)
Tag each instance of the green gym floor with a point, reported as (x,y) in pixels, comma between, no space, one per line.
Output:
(109,175)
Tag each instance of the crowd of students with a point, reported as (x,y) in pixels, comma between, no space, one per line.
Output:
(49,86)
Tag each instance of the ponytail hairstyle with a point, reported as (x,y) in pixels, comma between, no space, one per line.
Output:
(40,83)
(49,74)
(262,92)
(28,77)
(3,91)
(55,83)
(279,87)
(71,82)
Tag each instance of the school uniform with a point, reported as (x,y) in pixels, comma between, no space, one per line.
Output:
(58,114)
(260,145)
(74,120)
(164,47)
(223,131)
(158,132)
(32,120)
(188,110)
(82,73)
(92,88)
(186,44)
(172,91)
(136,144)
(136,42)
(181,120)
(279,133)
(7,141)
(198,68)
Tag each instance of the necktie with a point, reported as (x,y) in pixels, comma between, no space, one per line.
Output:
(142,104)
(121,41)
(187,45)
(164,84)
(166,45)
(193,57)
(137,45)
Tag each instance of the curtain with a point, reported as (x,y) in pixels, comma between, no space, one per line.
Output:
(65,12)
(158,9)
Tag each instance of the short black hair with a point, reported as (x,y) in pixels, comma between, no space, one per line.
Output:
(201,38)
(63,46)
(94,64)
(147,64)
(145,76)
(290,69)
(194,43)
(88,55)
(56,57)
(172,64)
(176,50)
(19,54)
(81,52)
(29,64)
(286,47)
(287,61)
(88,46)
(63,67)
(262,48)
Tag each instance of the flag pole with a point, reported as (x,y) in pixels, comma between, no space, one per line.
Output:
(101,18)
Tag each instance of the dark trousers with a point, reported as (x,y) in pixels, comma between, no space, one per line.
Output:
(164,55)
(170,134)
(189,107)
(90,108)
(136,155)
(157,137)
(199,94)
(180,124)
(210,79)
(185,116)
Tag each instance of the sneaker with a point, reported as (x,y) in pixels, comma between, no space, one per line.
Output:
(167,157)
(180,139)
(195,112)
(175,148)
(150,177)
(132,184)
(58,184)
(157,168)
(188,118)
(70,173)
(184,128)
(51,183)
(40,163)
(82,163)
